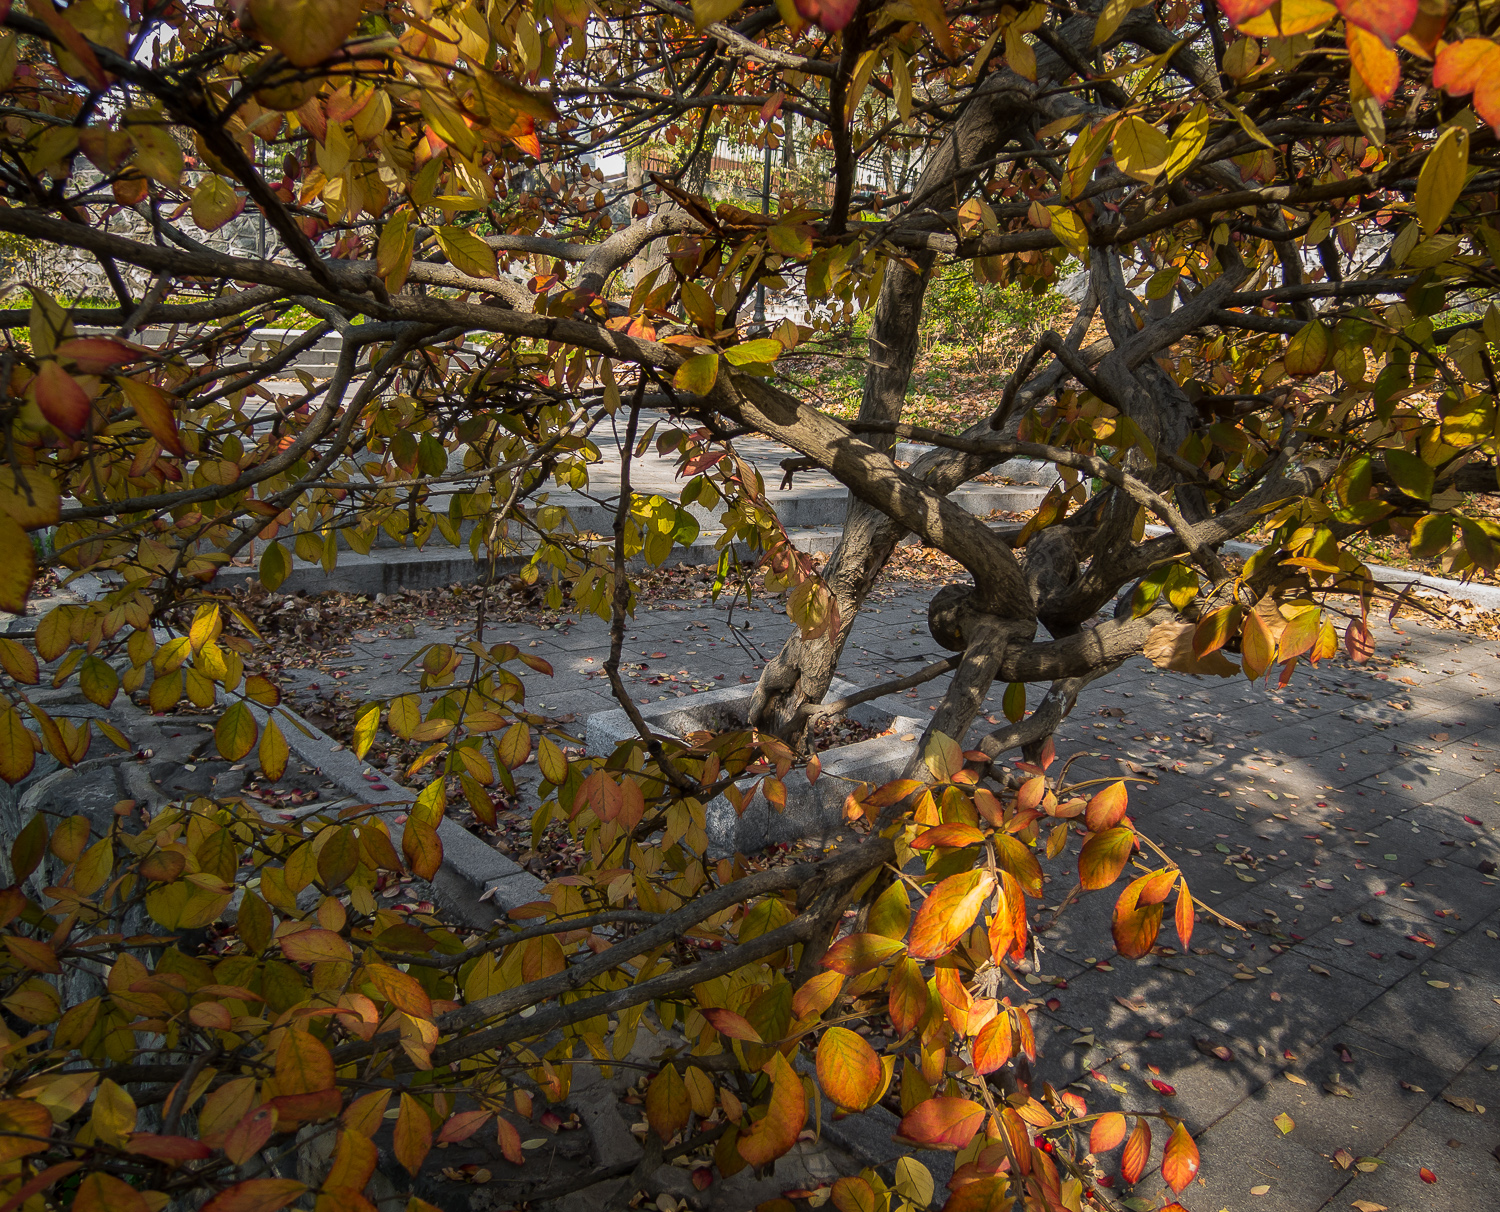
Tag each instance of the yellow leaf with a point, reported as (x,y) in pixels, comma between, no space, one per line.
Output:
(113,1116)
(17,753)
(273,751)
(1140,149)
(1442,178)
(697,374)
(17,566)
(215,203)
(1187,141)
(306,31)
(29,496)
(155,410)
(235,732)
(467,253)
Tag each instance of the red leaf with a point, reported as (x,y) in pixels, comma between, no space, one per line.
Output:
(1426,1175)
(1242,10)
(1109,1131)
(249,1136)
(727,1022)
(463,1125)
(62,401)
(97,355)
(1388,19)
(948,912)
(1137,1150)
(943,1122)
(1161,1087)
(167,1148)
(831,15)
(1358,642)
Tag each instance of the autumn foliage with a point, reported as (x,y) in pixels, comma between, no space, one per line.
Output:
(1283,215)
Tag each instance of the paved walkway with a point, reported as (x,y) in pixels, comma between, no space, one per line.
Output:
(1350,824)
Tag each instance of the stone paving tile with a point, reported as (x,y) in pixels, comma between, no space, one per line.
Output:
(1467,1177)
(1448,1025)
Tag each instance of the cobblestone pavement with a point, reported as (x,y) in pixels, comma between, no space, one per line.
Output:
(1346,828)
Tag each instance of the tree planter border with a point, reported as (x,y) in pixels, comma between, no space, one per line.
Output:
(813,810)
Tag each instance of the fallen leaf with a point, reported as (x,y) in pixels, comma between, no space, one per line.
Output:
(1463,1104)
(1412,1088)
(1368,1205)
(1344,1158)
(1337,1088)
(1318,970)
(1260,1190)
(1426,1175)
(1292,1077)
(1285,1122)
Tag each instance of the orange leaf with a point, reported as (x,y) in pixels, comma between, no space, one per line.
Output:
(995,1044)
(1242,10)
(1137,1150)
(943,1122)
(509,1141)
(1179,1162)
(776,1132)
(413,1136)
(303,1064)
(100,1192)
(256,1195)
(909,999)
(848,1069)
(1471,66)
(948,912)
(955,836)
(1109,1131)
(735,1026)
(315,946)
(401,990)
(1104,856)
(1107,809)
(667,1102)
(1375,62)
(1184,913)
(354,1161)
(32,953)
(155,410)
(856,953)
(817,994)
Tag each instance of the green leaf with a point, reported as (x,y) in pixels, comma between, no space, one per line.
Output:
(1412,476)
(274,565)
(1014,702)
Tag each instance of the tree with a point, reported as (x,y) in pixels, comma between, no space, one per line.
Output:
(1283,211)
